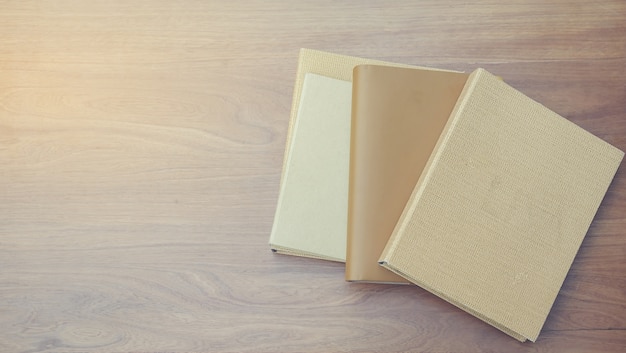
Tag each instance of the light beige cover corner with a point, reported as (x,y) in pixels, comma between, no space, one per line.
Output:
(311,215)
(327,64)
(505,201)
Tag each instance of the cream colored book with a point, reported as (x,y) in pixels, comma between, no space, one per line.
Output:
(311,215)
(504,202)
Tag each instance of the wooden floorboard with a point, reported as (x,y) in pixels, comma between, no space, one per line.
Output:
(141,147)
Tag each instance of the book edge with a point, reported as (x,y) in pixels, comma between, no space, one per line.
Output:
(283,250)
(467,309)
(348,275)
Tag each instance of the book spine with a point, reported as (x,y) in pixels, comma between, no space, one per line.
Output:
(351,175)
(407,214)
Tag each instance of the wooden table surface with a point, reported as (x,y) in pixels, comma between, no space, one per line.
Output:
(141,145)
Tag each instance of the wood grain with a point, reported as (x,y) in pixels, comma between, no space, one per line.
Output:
(140,154)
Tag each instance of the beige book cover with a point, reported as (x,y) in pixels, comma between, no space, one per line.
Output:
(497,216)
(311,215)
(332,66)
(327,64)
(397,117)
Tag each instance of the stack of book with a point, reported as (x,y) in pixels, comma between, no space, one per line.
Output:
(455,182)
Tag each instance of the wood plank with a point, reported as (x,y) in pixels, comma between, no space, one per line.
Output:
(140,154)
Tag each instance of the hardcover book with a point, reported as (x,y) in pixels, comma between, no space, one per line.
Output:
(501,207)
(311,216)
(397,117)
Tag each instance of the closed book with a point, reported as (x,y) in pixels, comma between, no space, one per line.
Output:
(311,216)
(397,117)
(502,206)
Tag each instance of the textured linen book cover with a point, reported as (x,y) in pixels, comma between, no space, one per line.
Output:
(502,207)
(311,215)
(397,117)
(333,66)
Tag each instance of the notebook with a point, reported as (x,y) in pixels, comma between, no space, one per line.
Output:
(502,206)
(397,117)
(311,215)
